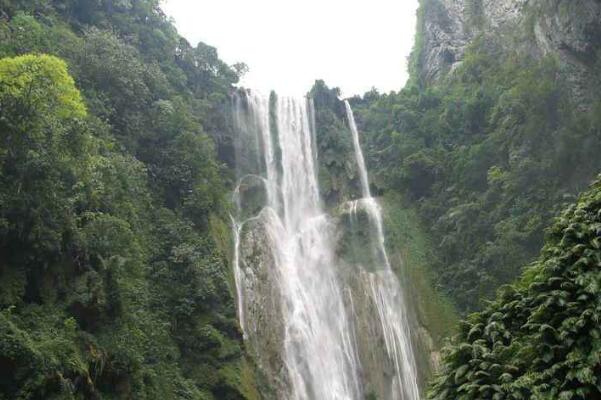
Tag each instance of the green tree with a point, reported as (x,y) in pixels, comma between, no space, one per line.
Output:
(42,150)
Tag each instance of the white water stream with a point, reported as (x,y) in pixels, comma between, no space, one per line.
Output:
(386,289)
(315,333)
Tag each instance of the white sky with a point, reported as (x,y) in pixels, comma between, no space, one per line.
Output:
(288,44)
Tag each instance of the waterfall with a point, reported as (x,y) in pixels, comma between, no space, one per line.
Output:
(358,152)
(385,287)
(318,351)
(311,318)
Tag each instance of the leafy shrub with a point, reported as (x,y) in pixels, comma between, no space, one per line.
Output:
(540,338)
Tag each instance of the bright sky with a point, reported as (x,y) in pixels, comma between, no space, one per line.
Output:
(288,44)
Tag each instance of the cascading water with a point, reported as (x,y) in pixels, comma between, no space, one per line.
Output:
(298,304)
(318,351)
(385,287)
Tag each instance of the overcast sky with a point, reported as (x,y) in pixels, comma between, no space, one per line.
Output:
(287,44)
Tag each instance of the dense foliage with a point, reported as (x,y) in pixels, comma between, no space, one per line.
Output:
(540,339)
(114,278)
(338,175)
(488,156)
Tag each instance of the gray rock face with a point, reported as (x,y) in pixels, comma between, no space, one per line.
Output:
(567,29)
(449,26)
(571,30)
(262,304)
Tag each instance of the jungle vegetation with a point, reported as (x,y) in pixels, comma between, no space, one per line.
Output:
(540,338)
(114,243)
(489,156)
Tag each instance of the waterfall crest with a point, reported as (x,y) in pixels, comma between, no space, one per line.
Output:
(316,323)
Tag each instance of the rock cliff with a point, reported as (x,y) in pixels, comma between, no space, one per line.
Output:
(567,30)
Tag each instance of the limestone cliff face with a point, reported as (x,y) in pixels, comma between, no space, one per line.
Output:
(569,30)
(447,27)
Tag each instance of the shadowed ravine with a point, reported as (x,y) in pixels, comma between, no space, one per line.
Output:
(322,325)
